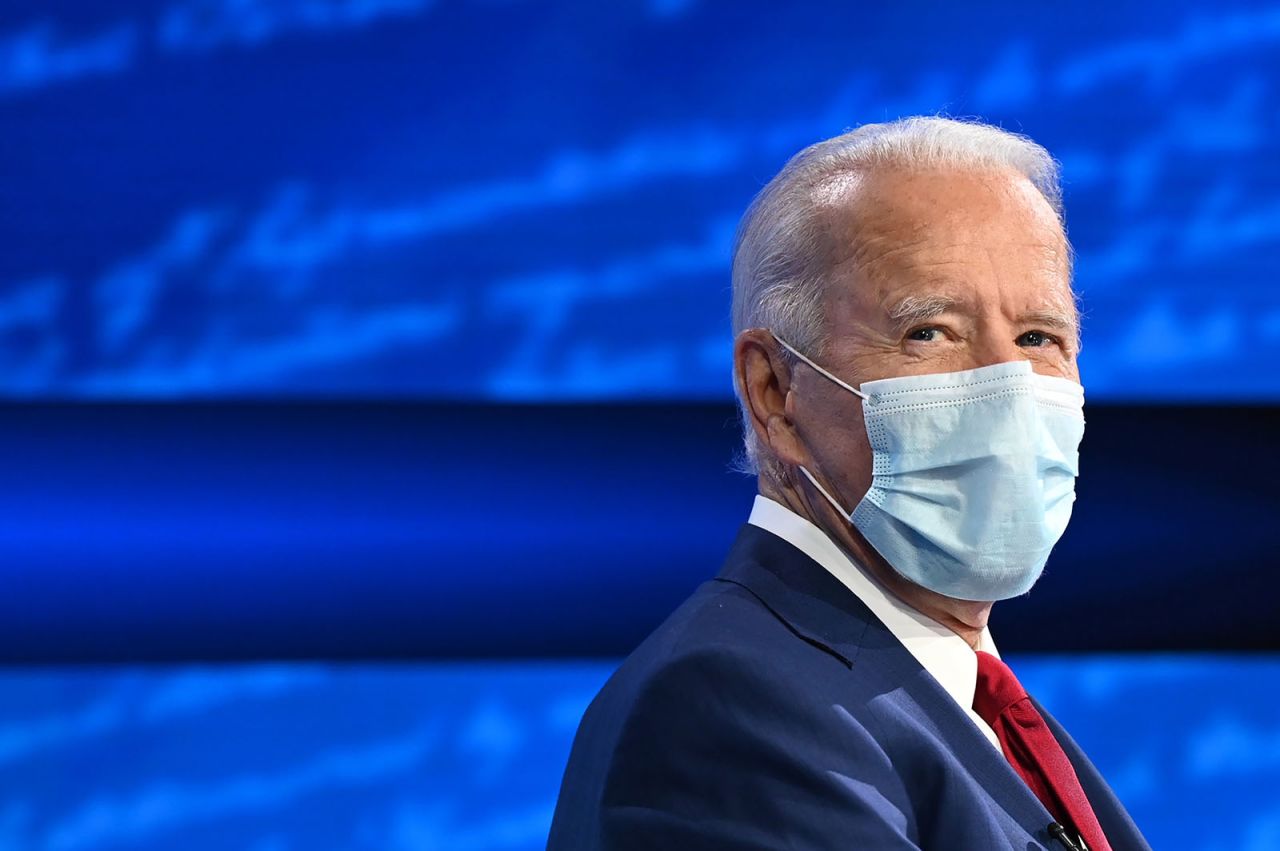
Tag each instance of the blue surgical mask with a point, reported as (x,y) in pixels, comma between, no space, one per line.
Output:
(973,475)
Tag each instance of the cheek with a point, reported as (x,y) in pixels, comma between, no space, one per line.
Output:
(1067,368)
(844,454)
(1053,361)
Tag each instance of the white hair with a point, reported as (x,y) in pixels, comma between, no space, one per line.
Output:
(779,253)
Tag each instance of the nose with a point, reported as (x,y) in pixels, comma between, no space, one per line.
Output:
(995,345)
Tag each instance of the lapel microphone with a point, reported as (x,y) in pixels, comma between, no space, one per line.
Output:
(1059,833)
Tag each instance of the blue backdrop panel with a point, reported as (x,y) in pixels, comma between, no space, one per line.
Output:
(469,757)
(526,200)
(410,530)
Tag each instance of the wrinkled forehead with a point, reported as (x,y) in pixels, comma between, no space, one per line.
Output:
(896,234)
(895,206)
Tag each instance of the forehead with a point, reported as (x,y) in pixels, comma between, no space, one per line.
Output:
(986,237)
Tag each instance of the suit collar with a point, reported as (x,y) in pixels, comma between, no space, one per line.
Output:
(819,609)
(945,655)
(806,597)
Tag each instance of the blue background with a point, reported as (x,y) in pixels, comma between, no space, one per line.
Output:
(364,390)
(520,200)
(467,757)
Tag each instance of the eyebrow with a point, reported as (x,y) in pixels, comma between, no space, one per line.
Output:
(915,308)
(1054,318)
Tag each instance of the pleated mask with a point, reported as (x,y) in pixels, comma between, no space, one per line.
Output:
(973,474)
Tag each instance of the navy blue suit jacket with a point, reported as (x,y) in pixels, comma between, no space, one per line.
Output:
(772,710)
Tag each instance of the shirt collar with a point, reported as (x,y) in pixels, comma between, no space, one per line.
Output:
(946,656)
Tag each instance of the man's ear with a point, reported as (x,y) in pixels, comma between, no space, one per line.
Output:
(763,373)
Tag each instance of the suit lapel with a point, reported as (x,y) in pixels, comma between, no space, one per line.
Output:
(821,610)
(815,605)
(1115,820)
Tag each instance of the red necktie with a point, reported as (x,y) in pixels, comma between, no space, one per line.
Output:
(1031,749)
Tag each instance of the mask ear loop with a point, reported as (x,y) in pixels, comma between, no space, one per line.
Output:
(847,386)
(855,391)
(847,515)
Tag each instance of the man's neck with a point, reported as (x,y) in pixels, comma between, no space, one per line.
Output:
(966,618)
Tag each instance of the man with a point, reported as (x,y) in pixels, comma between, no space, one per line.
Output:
(905,363)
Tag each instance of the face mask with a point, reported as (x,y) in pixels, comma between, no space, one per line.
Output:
(973,475)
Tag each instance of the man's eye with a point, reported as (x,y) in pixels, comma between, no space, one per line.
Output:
(1036,339)
(928,334)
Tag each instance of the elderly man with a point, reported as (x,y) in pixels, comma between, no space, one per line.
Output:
(905,362)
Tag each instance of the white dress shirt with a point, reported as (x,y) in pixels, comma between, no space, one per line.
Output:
(947,657)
